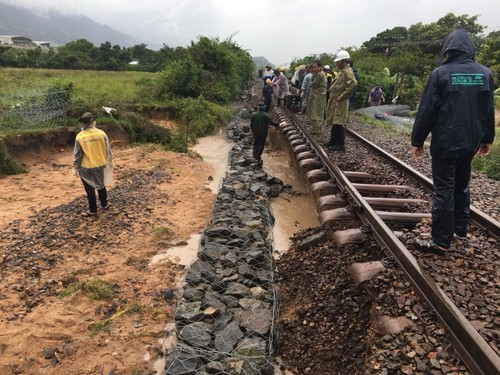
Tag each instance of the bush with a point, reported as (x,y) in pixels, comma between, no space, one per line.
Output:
(142,130)
(197,117)
(7,164)
(490,165)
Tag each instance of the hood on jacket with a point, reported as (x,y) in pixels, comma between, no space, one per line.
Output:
(459,40)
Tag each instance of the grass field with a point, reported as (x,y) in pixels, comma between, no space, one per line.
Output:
(95,88)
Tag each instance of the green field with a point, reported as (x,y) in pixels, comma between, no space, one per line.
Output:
(94,88)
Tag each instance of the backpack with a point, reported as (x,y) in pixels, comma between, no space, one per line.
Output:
(376,94)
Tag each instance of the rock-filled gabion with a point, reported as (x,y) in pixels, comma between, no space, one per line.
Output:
(224,318)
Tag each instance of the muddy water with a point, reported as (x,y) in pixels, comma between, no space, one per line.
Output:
(214,150)
(291,213)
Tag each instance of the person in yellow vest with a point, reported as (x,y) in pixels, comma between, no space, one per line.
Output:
(93,162)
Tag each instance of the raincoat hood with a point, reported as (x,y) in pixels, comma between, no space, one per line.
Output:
(459,40)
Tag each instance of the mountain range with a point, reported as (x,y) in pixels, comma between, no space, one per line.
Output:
(57,28)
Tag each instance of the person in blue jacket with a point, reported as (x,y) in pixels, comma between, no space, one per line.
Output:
(267,94)
(457,108)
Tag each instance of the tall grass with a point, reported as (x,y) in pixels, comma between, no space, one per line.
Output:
(490,165)
(95,88)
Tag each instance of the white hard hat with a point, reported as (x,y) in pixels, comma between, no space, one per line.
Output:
(327,67)
(342,55)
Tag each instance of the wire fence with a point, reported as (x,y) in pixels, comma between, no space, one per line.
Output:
(35,107)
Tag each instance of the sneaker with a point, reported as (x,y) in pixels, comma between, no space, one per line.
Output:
(428,246)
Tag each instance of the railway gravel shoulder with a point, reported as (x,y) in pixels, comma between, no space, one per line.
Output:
(468,275)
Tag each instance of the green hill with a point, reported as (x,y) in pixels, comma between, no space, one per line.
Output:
(261,61)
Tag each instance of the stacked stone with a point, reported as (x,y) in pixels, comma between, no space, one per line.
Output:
(224,318)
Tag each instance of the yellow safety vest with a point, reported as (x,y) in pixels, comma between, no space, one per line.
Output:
(93,144)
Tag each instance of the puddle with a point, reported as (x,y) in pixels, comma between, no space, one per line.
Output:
(214,150)
(168,343)
(184,254)
(291,213)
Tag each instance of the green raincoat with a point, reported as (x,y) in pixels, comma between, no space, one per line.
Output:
(343,87)
(316,101)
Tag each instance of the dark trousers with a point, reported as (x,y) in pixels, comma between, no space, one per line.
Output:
(259,141)
(337,136)
(103,196)
(451,202)
(267,102)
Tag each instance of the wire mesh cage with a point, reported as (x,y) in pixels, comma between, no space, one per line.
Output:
(38,106)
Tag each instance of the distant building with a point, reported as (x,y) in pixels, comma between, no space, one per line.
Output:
(22,42)
(42,44)
(16,41)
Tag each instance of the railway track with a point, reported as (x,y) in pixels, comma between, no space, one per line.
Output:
(351,196)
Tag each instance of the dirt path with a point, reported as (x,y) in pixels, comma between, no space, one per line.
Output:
(79,295)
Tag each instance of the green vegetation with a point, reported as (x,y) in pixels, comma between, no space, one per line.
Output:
(197,117)
(88,89)
(97,327)
(162,233)
(141,130)
(401,58)
(7,164)
(95,289)
(193,84)
(490,165)
(83,55)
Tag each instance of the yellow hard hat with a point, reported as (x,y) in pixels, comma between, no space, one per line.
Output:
(268,81)
(282,68)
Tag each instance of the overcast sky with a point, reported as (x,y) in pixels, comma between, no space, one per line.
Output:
(276,29)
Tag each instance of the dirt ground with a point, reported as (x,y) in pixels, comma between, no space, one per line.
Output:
(55,317)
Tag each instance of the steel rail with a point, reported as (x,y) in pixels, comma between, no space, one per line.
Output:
(475,352)
(477,217)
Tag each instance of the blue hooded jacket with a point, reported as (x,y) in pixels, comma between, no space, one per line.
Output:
(457,105)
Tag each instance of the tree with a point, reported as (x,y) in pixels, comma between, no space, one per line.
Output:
(411,53)
(80,45)
(489,54)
